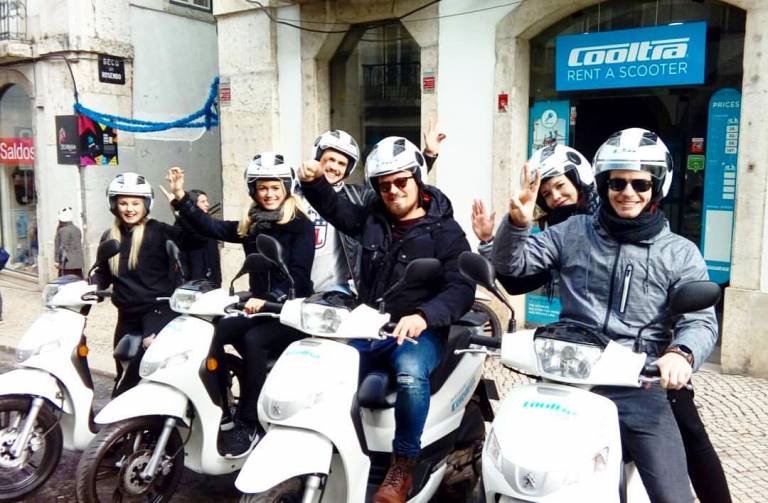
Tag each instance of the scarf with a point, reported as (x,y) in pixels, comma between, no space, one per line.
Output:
(262,220)
(631,230)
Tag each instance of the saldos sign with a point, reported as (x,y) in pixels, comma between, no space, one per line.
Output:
(643,57)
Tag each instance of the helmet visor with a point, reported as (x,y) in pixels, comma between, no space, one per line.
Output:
(657,170)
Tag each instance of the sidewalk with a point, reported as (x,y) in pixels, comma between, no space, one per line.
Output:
(734,408)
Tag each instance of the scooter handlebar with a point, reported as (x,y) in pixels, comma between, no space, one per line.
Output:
(96,295)
(483,340)
(651,370)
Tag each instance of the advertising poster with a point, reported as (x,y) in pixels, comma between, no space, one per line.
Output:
(720,182)
(98,143)
(548,123)
(67,140)
(15,151)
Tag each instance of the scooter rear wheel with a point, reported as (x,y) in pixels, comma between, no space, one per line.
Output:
(289,491)
(492,327)
(109,470)
(20,476)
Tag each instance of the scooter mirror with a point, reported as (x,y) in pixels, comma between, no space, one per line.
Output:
(477,269)
(172,249)
(693,296)
(107,250)
(270,248)
(256,262)
(419,271)
(273,250)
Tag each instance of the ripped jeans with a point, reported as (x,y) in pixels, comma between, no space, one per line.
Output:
(411,365)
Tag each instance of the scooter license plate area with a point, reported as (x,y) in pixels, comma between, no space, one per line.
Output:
(310,372)
(547,424)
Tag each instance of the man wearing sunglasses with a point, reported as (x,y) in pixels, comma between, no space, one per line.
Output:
(616,271)
(406,220)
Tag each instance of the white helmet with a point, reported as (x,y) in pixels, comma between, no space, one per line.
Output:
(635,149)
(269,166)
(557,160)
(392,155)
(64,214)
(340,141)
(130,184)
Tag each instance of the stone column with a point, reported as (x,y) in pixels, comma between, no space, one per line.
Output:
(744,335)
(250,122)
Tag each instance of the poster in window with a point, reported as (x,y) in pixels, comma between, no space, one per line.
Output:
(98,143)
(67,140)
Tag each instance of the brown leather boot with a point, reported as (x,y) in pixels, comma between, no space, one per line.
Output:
(397,483)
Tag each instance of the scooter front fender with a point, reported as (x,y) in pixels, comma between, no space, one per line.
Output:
(145,399)
(34,382)
(282,454)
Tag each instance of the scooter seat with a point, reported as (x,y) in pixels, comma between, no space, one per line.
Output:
(128,347)
(373,391)
(376,387)
(473,319)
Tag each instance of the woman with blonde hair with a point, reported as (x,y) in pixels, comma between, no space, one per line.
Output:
(276,212)
(142,271)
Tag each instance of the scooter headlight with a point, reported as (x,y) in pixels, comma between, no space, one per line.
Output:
(493,450)
(24,354)
(279,410)
(147,367)
(564,360)
(318,319)
(49,292)
(182,300)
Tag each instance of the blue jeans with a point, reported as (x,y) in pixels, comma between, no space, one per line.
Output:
(651,438)
(412,364)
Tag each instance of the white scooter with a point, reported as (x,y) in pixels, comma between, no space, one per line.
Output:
(140,454)
(46,403)
(330,440)
(553,440)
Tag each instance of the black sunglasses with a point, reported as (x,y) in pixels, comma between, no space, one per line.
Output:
(619,184)
(400,183)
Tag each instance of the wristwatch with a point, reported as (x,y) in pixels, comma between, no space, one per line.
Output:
(683,351)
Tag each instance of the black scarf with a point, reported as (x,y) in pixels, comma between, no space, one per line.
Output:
(631,230)
(262,220)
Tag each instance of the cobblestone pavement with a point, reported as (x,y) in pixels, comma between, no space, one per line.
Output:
(734,409)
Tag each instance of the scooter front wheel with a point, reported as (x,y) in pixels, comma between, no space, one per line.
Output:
(289,491)
(22,474)
(111,469)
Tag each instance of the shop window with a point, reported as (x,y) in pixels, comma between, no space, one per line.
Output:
(205,5)
(678,113)
(18,195)
(375,85)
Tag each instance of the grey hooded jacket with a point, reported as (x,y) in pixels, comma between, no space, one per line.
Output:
(610,287)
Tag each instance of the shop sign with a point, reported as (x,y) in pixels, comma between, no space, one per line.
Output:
(642,57)
(67,140)
(720,182)
(98,143)
(225,92)
(695,163)
(17,151)
(111,69)
(428,82)
(548,124)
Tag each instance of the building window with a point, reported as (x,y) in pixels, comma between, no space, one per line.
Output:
(18,196)
(375,85)
(205,5)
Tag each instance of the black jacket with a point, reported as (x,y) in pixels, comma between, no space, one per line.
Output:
(383,262)
(136,290)
(297,238)
(200,255)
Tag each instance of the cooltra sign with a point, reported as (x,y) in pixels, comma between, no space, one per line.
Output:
(17,151)
(644,57)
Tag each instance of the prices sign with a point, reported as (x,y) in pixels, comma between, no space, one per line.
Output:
(17,151)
